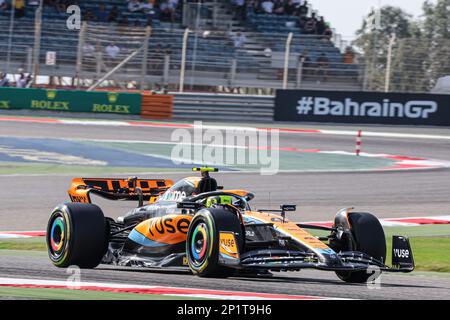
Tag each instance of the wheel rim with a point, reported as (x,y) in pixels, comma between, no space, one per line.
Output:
(199,244)
(57,236)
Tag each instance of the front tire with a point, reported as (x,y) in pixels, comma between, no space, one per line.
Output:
(369,238)
(76,235)
(202,244)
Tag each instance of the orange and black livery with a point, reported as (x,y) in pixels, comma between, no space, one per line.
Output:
(198,224)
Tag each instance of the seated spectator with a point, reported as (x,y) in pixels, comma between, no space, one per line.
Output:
(134,6)
(349,56)
(320,26)
(89,16)
(267,6)
(112,52)
(4,82)
(167,8)
(239,8)
(101,14)
(322,66)
(278,7)
(3,5)
(23,80)
(113,14)
(305,62)
(88,50)
(310,26)
(19,8)
(289,8)
(302,10)
(239,40)
(148,6)
(328,33)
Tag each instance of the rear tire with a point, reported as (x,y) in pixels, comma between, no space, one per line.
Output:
(369,238)
(202,243)
(77,235)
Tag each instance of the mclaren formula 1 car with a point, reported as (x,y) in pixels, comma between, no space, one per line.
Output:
(214,232)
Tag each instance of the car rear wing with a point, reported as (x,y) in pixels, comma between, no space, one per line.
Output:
(132,189)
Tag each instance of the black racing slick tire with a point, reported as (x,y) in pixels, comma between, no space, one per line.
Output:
(76,235)
(202,244)
(369,238)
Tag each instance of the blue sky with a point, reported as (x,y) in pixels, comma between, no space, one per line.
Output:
(346,15)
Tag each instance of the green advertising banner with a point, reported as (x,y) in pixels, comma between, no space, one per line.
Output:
(72,101)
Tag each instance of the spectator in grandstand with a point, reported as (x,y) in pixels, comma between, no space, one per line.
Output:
(101,14)
(322,66)
(134,5)
(19,8)
(23,79)
(278,7)
(302,10)
(239,8)
(310,25)
(267,6)
(328,33)
(88,50)
(320,26)
(4,82)
(239,40)
(289,8)
(112,53)
(156,58)
(113,14)
(148,6)
(168,50)
(349,55)
(305,62)
(167,8)
(88,16)
(3,5)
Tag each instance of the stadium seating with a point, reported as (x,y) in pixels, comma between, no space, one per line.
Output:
(214,52)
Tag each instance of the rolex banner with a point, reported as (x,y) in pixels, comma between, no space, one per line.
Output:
(72,101)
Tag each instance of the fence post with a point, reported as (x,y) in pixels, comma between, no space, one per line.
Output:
(166,69)
(300,72)
(286,59)
(37,41)
(233,71)
(148,32)
(387,78)
(80,52)
(183,60)
(29,59)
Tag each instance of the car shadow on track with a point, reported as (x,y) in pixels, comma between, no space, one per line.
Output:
(309,280)
(273,279)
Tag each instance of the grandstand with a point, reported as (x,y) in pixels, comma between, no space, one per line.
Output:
(213,62)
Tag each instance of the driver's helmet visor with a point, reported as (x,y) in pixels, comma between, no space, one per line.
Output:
(219,200)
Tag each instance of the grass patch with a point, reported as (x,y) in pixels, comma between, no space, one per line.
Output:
(66,294)
(29,244)
(7,168)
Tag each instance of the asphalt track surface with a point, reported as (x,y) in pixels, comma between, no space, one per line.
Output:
(27,200)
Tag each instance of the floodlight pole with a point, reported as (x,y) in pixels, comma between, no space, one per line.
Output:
(286,59)
(37,40)
(11,32)
(387,79)
(183,60)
